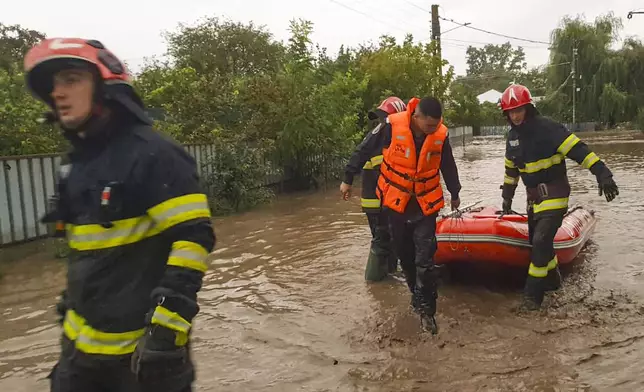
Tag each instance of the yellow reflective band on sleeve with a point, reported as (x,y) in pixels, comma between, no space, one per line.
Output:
(370,203)
(123,232)
(542,164)
(509,164)
(373,162)
(178,210)
(169,319)
(93,341)
(377,160)
(552,264)
(590,160)
(186,254)
(570,142)
(551,204)
(72,324)
(537,272)
(510,180)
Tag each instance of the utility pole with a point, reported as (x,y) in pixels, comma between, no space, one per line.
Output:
(436,35)
(574,85)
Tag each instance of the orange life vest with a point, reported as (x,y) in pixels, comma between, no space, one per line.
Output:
(403,175)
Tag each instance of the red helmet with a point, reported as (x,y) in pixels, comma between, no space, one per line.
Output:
(389,106)
(516,95)
(54,54)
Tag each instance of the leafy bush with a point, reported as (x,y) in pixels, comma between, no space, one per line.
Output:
(234,177)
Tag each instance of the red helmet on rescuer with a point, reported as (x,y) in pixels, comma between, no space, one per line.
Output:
(516,95)
(53,55)
(389,106)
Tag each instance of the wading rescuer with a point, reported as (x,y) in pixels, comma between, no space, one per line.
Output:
(382,259)
(416,150)
(137,223)
(536,149)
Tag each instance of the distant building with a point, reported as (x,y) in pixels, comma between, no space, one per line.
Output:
(491,96)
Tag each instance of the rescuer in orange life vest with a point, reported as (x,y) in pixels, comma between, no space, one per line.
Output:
(536,149)
(415,148)
(382,259)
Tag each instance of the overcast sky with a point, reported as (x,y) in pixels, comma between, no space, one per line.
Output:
(134,31)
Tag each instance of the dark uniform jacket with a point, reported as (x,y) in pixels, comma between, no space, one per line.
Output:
(370,172)
(139,229)
(535,152)
(371,148)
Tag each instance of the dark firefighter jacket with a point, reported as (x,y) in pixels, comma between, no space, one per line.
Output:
(370,172)
(535,152)
(380,138)
(139,230)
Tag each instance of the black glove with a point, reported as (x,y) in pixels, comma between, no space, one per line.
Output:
(507,206)
(161,361)
(61,307)
(607,185)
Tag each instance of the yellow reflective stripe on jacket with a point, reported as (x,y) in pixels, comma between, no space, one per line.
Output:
(93,341)
(370,203)
(551,204)
(509,164)
(552,264)
(373,162)
(123,232)
(188,254)
(510,180)
(169,319)
(537,272)
(542,164)
(590,160)
(567,145)
(178,210)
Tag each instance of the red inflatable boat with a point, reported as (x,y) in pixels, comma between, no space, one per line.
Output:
(484,235)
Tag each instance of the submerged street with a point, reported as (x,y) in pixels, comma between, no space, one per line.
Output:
(284,306)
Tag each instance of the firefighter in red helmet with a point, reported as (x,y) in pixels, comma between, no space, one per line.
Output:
(137,223)
(382,260)
(536,149)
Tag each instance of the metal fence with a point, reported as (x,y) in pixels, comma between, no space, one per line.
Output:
(27,183)
(496,130)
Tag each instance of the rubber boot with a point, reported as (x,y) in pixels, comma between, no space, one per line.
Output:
(553,280)
(533,294)
(376,268)
(427,292)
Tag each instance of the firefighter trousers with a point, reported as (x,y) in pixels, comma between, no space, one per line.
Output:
(543,271)
(74,372)
(382,259)
(415,245)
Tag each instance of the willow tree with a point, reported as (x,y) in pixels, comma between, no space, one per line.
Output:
(601,74)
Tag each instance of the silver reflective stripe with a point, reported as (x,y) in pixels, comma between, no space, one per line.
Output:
(163,216)
(178,324)
(121,343)
(140,229)
(189,254)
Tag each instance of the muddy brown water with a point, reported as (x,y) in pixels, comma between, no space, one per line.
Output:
(285,306)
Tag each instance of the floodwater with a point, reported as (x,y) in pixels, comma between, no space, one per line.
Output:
(285,306)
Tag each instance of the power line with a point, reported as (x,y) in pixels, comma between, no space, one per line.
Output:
(469,26)
(486,43)
(367,15)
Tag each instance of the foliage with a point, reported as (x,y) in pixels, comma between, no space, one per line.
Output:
(234,177)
